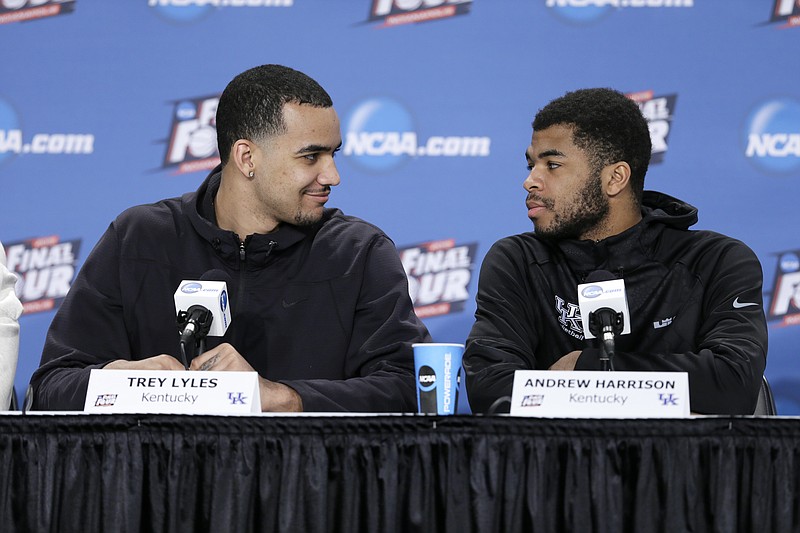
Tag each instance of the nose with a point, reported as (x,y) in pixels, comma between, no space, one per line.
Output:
(329,175)
(533,181)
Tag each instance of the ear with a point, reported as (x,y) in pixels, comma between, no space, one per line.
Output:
(242,156)
(617,178)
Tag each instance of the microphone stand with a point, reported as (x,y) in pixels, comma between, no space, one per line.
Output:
(605,323)
(193,326)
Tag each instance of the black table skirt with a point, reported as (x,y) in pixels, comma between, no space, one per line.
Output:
(397,474)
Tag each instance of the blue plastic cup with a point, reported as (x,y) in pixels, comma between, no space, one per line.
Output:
(437,367)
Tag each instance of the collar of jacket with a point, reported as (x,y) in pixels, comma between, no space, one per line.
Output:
(626,251)
(199,207)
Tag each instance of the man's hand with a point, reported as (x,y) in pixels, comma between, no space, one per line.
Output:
(157,362)
(567,362)
(274,396)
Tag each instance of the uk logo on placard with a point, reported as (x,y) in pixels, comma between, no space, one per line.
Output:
(45,267)
(439,274)
(785,305)
(399,12)
(24,10)
(658,110)
(786,13)
(192,142)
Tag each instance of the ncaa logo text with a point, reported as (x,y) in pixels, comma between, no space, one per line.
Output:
(191,288)
(380,135)
(588,11)
(191,10)
(14,142)
(772,136)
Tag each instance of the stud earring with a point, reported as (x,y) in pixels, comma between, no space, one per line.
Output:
(252,174)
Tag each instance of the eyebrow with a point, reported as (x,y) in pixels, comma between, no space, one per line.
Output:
(552,153)
(317,148)
(546,153)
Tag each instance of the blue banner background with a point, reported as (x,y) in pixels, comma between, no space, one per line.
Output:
(114,72)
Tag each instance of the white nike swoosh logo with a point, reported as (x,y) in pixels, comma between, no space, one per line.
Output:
(739,305)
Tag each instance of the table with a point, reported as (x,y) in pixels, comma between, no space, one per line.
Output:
(402,473)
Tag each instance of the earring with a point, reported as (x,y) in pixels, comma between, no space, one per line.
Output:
(252,174)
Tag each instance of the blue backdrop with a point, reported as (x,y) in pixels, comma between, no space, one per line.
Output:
(104,105)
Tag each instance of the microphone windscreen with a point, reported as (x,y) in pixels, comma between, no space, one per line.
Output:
(600,275)
(216,275)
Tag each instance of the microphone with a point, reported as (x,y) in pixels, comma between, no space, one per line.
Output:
(203,310)
(604,312)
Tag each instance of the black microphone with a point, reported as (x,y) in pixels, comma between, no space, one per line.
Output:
(203,310)
(604,312)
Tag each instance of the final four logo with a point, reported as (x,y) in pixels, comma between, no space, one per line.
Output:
(192,144)
(46,267)
(439,273)
(380,135)
(397,12)
(786,12)
(658,111)
(785,305)
(22,10)
(772,136)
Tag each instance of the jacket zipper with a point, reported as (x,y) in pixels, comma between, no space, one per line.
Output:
(243,263)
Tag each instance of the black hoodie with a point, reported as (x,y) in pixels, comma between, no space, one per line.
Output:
(324,309)
(694,297)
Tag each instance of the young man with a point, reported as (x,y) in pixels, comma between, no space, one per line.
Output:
(320,300)
(694,296)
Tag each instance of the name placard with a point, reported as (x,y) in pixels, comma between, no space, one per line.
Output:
(595,394)
(171,391)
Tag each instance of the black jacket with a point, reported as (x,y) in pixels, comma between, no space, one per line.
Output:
(324,309)
(694,297)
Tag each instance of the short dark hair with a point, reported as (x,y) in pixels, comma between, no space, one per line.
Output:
(606,124)
(251,106)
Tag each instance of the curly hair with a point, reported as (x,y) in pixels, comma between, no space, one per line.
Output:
(251,106)
(607,125)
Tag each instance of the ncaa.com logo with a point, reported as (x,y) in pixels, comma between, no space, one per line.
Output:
(191,10)
(592,291)
(22,10)
(14,142)
(223,300)
(772,136)
(191,288)
(380,135)
(588,11)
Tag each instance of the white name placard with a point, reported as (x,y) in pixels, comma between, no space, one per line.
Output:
(170,391)
(585,394)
